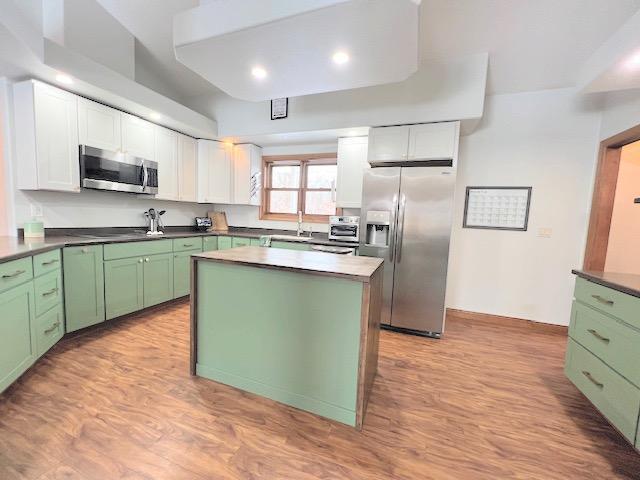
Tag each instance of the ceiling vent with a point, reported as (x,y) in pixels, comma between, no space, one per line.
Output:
(262,49)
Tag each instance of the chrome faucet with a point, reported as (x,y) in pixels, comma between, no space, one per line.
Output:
(299,231)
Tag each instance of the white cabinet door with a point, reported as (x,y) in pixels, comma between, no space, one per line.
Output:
(433,141)
(187,168)
(56,113)
(247,174)
(99,125)
(167,158)
(215,172)
(352,161)
(138,137)
(388,144)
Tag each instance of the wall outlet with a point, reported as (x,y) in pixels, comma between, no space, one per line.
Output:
(545,232)
(36,210)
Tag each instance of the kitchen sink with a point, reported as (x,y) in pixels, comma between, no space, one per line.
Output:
(111,235)
(291,238)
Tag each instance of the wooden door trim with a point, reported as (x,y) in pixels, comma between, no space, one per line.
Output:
(604,193)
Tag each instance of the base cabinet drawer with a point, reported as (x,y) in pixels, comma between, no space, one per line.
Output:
(17,340)
(48,291)
(615,343)
(618,304)
(46,262)
(49,329)
(291,245)
(615,397)
(15,273)
(240,242)
(187,244)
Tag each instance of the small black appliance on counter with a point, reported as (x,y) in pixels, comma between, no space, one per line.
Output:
(203,224)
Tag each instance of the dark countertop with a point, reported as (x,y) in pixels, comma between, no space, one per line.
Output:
(351,267)
(12,248)
(622,282)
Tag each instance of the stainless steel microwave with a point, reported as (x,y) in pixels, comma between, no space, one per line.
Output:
(344,228)
(117,171)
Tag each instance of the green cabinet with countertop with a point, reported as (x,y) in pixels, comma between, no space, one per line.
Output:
(123,286)
(603,353)
(83,286)
(209,243)
(224,243)
(158,279)
(17,332)
(240,242)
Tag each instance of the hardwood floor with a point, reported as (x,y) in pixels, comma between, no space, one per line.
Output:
(488,401)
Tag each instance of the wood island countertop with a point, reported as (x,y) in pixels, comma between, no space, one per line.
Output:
(318,263)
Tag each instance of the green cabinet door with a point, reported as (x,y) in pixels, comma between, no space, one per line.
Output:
(17,335)
(158,279)
(123,286)
(255,242)
(224,243)
(83,286)
(291,245)
(182,273)
(209,243)
(240,242)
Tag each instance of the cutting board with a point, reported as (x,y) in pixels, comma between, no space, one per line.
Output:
(219,221)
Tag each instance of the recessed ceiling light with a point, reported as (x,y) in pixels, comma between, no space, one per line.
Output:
(340,57)
(62,78)
(155,116)
(258,72)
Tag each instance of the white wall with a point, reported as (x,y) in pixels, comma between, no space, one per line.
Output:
(621,111)
(6,213)
(547,140)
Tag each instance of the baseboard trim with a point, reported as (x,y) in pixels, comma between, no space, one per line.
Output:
(510,321)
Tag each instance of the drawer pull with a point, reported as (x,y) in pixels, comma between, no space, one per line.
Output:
(592,380)
(84,250)
(52,328)
(50,262)
(187,244)
(50,292)
(598,336)
(603,300)
(14,274)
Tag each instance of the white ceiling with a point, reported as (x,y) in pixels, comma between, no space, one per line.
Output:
(533,44)
(300,138)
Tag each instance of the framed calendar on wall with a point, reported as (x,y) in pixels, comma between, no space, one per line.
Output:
(498,208)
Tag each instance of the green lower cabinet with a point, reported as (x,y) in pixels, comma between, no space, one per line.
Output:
(123,286)
(240,242)
(291,245)
(255,242)
(17,337)
(182,273)
(49,329)
(158,279)
(83,286)
(209,244)
(224,243)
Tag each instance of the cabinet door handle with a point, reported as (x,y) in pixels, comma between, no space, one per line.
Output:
(146,259)
(14,274)
(187,244)
(593,380)
(140,260)
(50,262)
(85,250)
(50,292)
(598,336)
(603,300)
(52,328)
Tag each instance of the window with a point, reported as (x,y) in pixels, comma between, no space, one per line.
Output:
(300,183)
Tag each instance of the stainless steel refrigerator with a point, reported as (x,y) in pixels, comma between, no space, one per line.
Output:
(406,220)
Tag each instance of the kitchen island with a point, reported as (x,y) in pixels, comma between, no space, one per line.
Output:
(298,327)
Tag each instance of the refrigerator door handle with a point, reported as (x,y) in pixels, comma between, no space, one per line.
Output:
(392,233)
(403,204)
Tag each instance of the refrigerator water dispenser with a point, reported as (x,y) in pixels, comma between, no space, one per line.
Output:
(378,224)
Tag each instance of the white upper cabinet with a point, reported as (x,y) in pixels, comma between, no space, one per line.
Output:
(99,125)
(46,131)
(426,142)
(187,168)
(352,161)
(166,154)
(388,144)
(247,174)
(138,137)
(434,141)
(215,172)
